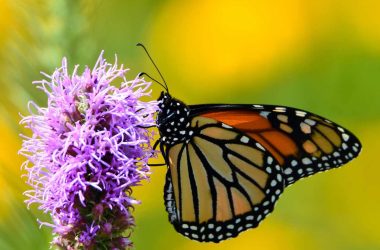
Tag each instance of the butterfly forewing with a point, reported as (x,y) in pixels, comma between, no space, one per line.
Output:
(303,143)
(220,182)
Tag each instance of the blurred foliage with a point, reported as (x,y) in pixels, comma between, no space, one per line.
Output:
(322,56)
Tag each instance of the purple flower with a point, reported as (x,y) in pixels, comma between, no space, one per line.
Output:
(88,148)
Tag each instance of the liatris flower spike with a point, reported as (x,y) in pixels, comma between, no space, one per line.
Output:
(88,148)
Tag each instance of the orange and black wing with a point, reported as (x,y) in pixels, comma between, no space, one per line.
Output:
(302,142)
(220,182)
(227,177)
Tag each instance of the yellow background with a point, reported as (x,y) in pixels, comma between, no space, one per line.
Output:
(322,56)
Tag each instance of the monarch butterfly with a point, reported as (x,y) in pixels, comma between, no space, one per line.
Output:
(229,163)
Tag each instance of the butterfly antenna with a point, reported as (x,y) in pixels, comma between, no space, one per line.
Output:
(146,51)
(151,78)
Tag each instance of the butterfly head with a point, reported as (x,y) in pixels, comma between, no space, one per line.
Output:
(173,119)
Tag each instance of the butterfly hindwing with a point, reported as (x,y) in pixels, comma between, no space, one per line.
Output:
(220,182)
(302,142)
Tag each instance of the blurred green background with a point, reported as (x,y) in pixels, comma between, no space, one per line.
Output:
(322,56)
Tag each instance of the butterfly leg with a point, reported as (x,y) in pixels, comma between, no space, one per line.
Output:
(162,151)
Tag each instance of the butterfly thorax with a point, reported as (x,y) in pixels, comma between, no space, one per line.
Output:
(173,120)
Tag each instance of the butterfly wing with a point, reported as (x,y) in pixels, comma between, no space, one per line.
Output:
(227,177)
(220,182)
(302,142)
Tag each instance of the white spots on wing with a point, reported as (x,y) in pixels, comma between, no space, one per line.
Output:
(185,226)
(269,160)
(341,129)
(259,217)
(344,146)
(280,109)
(226,126)
(310,170)
(249,225)
(182,132)
(310,122)
(258,106)
(260,146)
(306,161)
(336,154)
(345,137)
(273,198)
(273,183)
(195,236)
(300,113)
(244,139)
(288,171)
(290,179)
(279,177)
(269,170)
(249,217)
(294,163)
(264,114)
(355,149)
(181,119)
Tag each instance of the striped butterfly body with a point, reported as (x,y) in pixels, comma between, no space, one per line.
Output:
(228,164)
